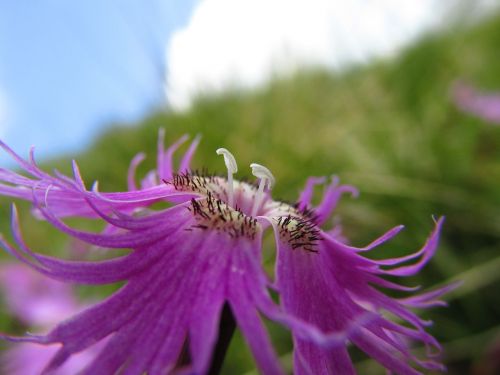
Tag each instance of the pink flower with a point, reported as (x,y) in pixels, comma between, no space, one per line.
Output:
(39,302)
(188,261)
(34,299)
(483,105)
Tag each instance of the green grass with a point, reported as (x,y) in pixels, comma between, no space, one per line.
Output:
(390,129)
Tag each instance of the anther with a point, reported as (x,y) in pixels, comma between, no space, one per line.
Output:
(266,177)
(232,168)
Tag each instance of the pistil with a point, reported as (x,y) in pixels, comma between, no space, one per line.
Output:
(232,168)
(266,177)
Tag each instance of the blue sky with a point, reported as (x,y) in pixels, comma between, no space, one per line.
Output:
(67,68)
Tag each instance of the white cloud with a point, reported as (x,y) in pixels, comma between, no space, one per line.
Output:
(244,42)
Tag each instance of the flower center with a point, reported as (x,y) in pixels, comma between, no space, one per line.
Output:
(299,232)
(214,214)
(262,173)
(230,206)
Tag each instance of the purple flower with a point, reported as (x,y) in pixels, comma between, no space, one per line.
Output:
(38,302)
(30,359)
(483,105)
(204,252)
(33,298)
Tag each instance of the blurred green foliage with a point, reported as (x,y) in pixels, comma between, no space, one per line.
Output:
(388,128)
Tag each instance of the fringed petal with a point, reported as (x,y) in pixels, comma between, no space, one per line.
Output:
(134,304)
(185,165)
(379,350)
(206,311)
(372,245)
(310,359)
(30,168)
(306,195)
(378,281)
(150,180)
(29,359)
(165,159)
(256,336)
(136,161)
(67,196)
(126,221)
(426,253)
(14,178)
(331,198)
(102,272)
(203,331)
(161,168)
(243,307)
(431,298)
(133,239)
(19,256)
(337,298)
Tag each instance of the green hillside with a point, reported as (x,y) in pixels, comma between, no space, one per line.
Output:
(388,128)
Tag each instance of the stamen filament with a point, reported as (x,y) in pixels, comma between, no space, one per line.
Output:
(265,176)
(259,197)
(232,168)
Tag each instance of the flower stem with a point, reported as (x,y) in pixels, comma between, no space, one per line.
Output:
(226,331)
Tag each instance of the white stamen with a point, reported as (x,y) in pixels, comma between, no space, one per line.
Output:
(232,168)
(265,176)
